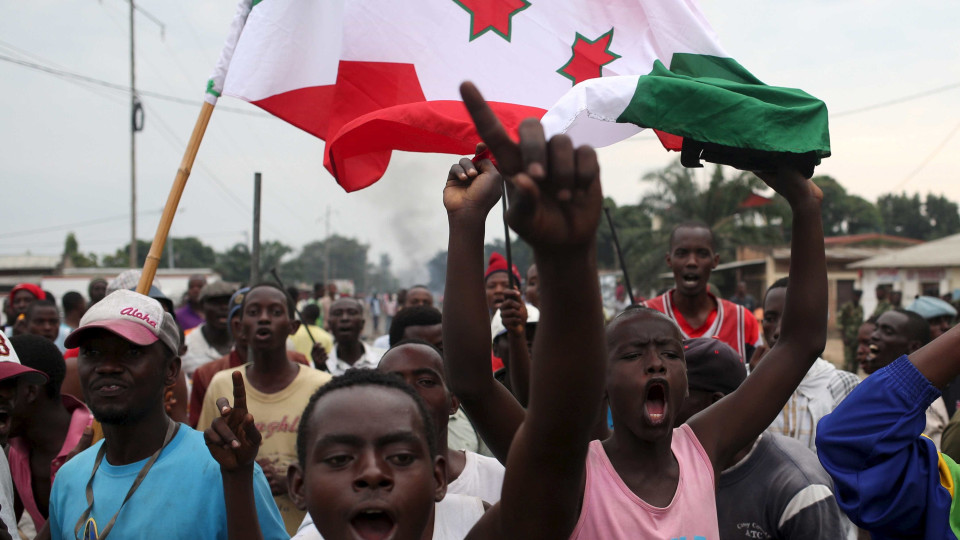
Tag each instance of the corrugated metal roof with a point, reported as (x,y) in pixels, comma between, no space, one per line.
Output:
(944,252)
(26,262)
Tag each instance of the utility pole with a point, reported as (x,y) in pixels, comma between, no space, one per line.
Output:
(134,104)
(255,251)
(326,248)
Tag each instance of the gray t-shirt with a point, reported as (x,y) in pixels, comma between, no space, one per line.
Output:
(779,491)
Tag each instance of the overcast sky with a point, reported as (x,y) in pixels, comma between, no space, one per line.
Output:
(64,147)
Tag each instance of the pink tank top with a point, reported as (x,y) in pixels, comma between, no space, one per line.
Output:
(611,511)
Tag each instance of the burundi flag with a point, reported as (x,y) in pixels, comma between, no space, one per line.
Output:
(373,76)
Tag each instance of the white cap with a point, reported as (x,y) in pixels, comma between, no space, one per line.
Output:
(10,365)
(498,329)
(132,316)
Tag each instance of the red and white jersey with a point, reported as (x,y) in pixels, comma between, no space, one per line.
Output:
(730,323)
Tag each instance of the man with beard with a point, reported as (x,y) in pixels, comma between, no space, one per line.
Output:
(346,323)
(149,475)
(696,310)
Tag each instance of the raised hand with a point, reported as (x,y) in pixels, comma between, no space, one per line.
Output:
(233,439)
(791,184)
(319,356)
(554,189)
(472,187)
(513,312)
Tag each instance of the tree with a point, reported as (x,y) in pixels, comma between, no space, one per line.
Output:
(71,251)
(188,252)
(943,215)
(348,260)
(437,266)
(234,263)
(903,216)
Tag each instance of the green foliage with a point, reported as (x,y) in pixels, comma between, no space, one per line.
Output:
(234,263)
(71,250)
(910,216)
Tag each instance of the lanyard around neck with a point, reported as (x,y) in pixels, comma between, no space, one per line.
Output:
(171,432)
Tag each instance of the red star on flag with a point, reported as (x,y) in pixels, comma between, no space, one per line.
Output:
(588,57)
(496,15)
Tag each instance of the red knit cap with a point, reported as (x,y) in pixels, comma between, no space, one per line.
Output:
(499,264)
(37,292)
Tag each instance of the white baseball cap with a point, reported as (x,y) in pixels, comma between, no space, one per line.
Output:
(134,317)
(497,328)
(10,365)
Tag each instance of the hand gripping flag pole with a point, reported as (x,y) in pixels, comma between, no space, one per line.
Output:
(214,87)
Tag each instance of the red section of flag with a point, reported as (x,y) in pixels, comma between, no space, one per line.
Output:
(588,57)
(670,142)
(376,108)
(496,15)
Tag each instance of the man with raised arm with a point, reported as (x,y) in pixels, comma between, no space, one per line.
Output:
(631,485)
(890,479)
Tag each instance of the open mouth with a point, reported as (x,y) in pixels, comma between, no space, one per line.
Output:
(874,350)
(690,279)
(373,524)
(5,420)
(263,333)
(655,405)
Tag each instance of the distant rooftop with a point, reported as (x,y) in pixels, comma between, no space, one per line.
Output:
(944,252)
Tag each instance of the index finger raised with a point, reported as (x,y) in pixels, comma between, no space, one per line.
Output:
(490,129)
(239,392)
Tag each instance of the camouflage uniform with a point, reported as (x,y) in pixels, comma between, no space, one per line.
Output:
(882,307)
(851,317)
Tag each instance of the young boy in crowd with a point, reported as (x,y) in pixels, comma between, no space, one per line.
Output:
(346,323)
(277,389)
(774,487)
(469,474)
(237,357)
(696,310)
(45,428)
(647,480)
(889,478)
(128,356)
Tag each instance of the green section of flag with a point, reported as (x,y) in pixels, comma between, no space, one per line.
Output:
(715,100)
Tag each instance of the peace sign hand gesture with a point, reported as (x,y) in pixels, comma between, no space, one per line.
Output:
(233,439)
(554,189)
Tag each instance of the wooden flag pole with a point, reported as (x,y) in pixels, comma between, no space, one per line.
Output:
(173,200)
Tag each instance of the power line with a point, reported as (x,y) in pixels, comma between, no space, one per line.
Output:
(929,158)
(74,225)
(122,88)
(898,101)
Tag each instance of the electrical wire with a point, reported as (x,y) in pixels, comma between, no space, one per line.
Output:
(63,74)
(929,158)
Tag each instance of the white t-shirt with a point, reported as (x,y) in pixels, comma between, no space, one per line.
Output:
(382,342)
(454,516)
(482,477)
(6,498)
(369,360)
(199,352)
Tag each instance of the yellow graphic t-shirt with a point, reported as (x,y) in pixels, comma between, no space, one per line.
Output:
(277,417)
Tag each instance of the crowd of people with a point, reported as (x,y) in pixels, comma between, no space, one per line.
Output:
(517,412)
